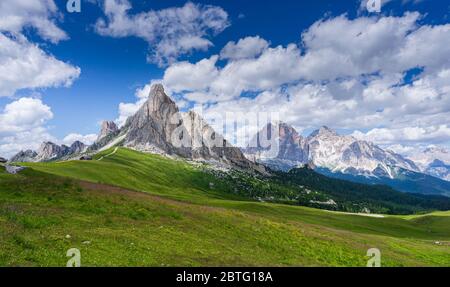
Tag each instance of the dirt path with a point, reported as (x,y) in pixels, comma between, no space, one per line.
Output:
(115,150)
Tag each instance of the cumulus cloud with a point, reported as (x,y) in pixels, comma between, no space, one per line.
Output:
(17,15)
(245,48)
(23,65)
(274,67)
(24,114)
(366,46)
(184,76)
(23,125)
(406,135)
(355,81)
(170,32)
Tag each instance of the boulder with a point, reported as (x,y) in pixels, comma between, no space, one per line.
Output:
(14,169)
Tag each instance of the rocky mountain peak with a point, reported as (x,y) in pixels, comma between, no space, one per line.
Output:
(24,156)
(157,89)
(325,148)
(154,123)
(434,161)
(157,98)
(50,151)
(108,127)
(78,147)
(323,131)
(287,145)
(159,127)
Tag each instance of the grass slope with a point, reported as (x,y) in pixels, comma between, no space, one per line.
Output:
(179,220)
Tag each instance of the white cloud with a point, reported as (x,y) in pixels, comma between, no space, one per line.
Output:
(354,81)
(16,15)
(365,46)
(73,137)
(170,32)
(385,136)
(387,46)
(24,65)
(24,114)
(245,48)
(274,67)
(23,125)
(184,76)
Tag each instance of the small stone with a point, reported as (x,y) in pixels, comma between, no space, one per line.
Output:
(68,236)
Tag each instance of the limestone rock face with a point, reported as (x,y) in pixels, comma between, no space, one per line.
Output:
(153,125)
(108,128)
(279,142)
(24,156)
(50,151)
(344,153)
(11,169)
(159,127)
(78,147)
(207,144)
(325,148)
(434,161)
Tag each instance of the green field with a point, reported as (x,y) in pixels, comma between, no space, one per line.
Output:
(134,209)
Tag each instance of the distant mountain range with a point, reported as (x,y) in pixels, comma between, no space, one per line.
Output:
(50,151)
(159,127)
(434,161)
(345,157)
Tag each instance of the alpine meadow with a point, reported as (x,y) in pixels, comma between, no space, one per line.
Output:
(224,134)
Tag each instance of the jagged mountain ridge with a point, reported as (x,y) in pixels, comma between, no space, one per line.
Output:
(159,127)
(327,149)
(24,156)
(345,157)
(434,161)
(49,151)
(107,128)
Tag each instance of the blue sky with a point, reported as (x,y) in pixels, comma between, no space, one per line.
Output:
(112,67)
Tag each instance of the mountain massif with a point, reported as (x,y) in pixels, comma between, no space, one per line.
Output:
(434,161)
(50,151)
(159,127)
(345,157)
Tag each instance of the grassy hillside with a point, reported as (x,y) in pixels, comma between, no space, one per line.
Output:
(180,180)
(182,216)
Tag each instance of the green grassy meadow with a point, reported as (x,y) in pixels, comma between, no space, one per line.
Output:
(134,209)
